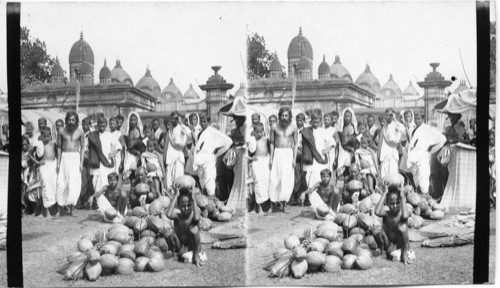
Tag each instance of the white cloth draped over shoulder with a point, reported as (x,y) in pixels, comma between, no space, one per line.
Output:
(407,137)
(390,138)
(205,159)
(130,161)
(177,137)
(100,179)
(322,140)
(419,159)
(189,165)
(345,157)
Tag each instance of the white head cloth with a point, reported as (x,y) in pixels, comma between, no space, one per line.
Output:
(139,124)
(340,122)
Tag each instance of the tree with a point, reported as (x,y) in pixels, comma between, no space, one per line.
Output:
(259,57)
(36,64)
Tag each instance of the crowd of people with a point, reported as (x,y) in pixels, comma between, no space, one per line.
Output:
(310,158)
(123,164)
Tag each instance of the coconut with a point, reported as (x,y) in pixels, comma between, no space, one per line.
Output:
(226,209)
(375,198)
(185,181)
(332,264)
(370,241)
(323,210)
(280,252)
(224,217)
(436,215)
(364,262)
(125,266)
(394,179)
(84,245)
(165,201)
(333,244)
(139,212)
(336,252)
(327,231)
(363,251)
(119,236)
(349,246)
(210,207)
(126,247)
(339,218)
(439,207)
(108,263)
(291,241)
(93,271)
(156,254)
(366,205)
(156,264)
(93,256)
(141,263)
(413,199)
(129,221)
(365,221)
(423,205)
(205,224)
(127,254)
(324,241)
(119,227)
(140,225)
(109,249)
(155,224)
(114,243)
(431,202)
(142,188)
(73,255)
(348,261)
(350,222)
(348,209)
(161,243)
(298,268)
(156,207)
(110,213)
(141,248)
(356,237)
(147,233)
(315,261)
(316,246)
(299,253)
(417,210)
(357,230)
(201,200)
(148,239)
(418,219)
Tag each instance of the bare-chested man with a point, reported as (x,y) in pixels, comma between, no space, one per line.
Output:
(133,141)
(347,127)
(260,146)
(42,123)
(283,142)
(70,142)
(48,173)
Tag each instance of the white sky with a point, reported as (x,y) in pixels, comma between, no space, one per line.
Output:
(182,40)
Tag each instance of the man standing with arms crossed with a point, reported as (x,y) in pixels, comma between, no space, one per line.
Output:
(70,142)
(284,144)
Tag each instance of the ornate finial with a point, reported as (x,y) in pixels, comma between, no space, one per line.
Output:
(57,60)
(104,62)
(337,59)
(148,72)
(300,30)
(367,69)
(390,77)
(324,58)
(171,81)
(81,35)
(190,85)
(118,64)
(434,66)
(216,69)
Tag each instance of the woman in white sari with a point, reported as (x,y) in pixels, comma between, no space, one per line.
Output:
(347,127)
(409,123)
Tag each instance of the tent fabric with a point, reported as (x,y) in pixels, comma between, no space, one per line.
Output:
(459,103)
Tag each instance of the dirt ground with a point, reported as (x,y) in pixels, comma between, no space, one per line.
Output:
(47,242)
(431,266)
(3,269)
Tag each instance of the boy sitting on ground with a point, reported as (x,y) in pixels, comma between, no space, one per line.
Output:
(111,196)
(323,193)
(186,232)
(139,198)
(366,158)
(394,230)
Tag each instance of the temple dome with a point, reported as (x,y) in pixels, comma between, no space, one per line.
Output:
(391,88)
(105,73)
(171,92)
(120,75)
(275,65)
(339,71)
(149,85)
(81,52)
(410,90)
(300,46)
(368,81)
(324,68)
(85,68)
(57,69)
(303,64)
(191,93)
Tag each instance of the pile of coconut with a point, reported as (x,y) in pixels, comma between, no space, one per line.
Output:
(3,230)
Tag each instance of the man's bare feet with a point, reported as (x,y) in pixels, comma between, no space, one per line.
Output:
(196,260)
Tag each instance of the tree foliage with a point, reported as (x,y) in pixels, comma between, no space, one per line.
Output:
(259,58)
(36,63)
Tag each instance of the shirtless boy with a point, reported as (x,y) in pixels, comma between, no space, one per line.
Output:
(326,191)
(284,140)
(48,171)
(138,199)
(186,224)
(112,196)
(394,229)
(260,146)
(70,142)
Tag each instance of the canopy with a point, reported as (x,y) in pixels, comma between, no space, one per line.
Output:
(458,103)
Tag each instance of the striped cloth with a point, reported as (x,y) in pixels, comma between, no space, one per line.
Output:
(460,189)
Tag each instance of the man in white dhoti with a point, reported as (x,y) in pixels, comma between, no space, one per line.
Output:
(210,144)
(48,164)
(390,138)
(409,123)
(316,145)
(283,142)
(133,141)
(69,162)
(173,153)
(347,127)
(330,124)
(102,165)
(425,140)
(194,126)
(259,147)
(118,143)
